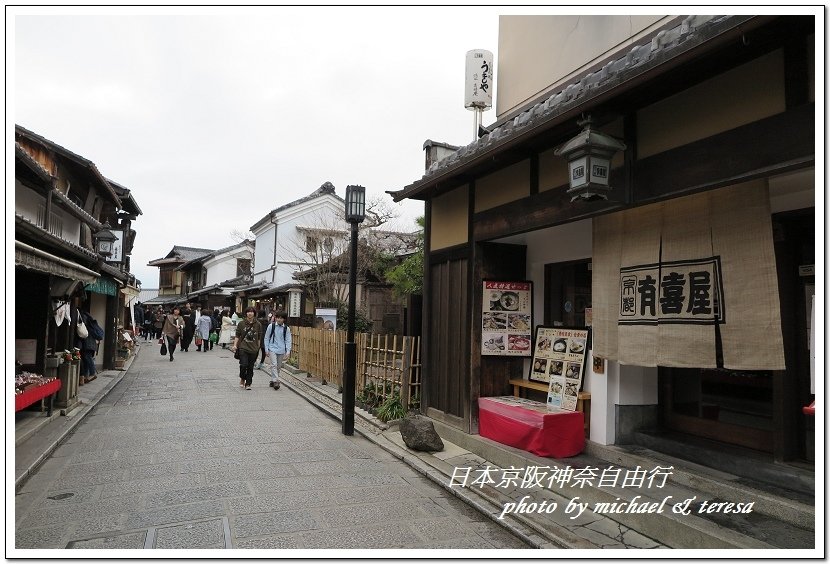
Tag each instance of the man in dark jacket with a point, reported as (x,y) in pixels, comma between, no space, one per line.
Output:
(88,346)
(138,318)
(248,341)
(189,327)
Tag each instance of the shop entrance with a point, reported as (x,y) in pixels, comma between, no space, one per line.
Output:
(761,410)
(568,293)
(725,405)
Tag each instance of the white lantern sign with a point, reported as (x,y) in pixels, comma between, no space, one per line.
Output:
(478,84)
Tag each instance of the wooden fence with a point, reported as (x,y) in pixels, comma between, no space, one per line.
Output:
(388,363)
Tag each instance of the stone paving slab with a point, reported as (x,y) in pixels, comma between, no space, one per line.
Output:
(204,535)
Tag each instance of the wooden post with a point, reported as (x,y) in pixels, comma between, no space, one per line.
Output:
(405,378)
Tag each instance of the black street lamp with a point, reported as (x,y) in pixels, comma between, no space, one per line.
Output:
(355,213)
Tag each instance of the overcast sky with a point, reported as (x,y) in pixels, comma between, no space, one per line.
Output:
(213,117)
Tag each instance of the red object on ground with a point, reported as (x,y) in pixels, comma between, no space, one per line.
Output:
(554,434)
(809,409)
(31,395)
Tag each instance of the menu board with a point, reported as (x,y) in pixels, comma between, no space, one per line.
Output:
(559,359)
(506,318)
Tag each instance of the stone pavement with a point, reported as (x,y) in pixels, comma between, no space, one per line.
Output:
(172,439)
(176,455)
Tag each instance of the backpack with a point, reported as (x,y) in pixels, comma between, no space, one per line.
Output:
(284,333)
(95,330)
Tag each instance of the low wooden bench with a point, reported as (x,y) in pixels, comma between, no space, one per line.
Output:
(583,399)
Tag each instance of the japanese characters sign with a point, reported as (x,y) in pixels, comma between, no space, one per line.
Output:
(688,292)
(559,359)
(506,318)
(117,247)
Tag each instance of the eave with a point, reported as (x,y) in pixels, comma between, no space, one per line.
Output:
(514,139)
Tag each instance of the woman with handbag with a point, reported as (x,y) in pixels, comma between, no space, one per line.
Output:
(158,322)
(172,330)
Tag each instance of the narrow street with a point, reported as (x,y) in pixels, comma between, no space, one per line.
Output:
(177,455)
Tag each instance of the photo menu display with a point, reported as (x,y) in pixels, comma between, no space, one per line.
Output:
(559,355)
(506,318)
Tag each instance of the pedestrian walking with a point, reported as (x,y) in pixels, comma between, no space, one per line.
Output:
(149,319)
(138,319)
(189,327)
(89,347)
(203,326)
(228,329)
(172,330)
(247,342)
(263,321)
(278,344)
(158,323)
(215,327)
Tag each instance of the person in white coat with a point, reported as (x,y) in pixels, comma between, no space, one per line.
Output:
(227,330)
(278,346)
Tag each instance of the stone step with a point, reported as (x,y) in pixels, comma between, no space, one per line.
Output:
(755,467)
(757,530)
(794,508)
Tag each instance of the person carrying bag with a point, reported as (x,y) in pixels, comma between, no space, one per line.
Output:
(278,345)
(172,330)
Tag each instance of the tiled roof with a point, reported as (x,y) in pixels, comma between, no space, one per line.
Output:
(235,281)
(94,224)
(668,43)
(126,196)
(35,166)
(210,255)
(66,153)
(327,188)
(27,226)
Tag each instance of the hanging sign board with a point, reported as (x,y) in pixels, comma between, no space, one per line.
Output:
(506,318)
(478,83)
(294,303)
(559,355)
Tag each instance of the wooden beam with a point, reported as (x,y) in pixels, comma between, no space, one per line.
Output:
(548,208)
(779,143)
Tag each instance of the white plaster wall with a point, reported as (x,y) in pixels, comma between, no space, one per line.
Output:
(26,202)
(324,213)
(222,270)
(263,254)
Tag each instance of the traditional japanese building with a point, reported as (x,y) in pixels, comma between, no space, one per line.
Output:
(694,271)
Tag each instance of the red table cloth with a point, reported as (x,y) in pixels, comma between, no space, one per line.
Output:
(531,426)
(35,393)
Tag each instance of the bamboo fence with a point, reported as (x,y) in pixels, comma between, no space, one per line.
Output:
(389,363)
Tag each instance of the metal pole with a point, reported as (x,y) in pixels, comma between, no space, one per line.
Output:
(350,353)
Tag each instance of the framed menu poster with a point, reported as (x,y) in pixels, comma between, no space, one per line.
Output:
(559,355)
(506,318)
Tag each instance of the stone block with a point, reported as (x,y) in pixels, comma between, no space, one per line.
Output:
(419,434)
(205,535)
